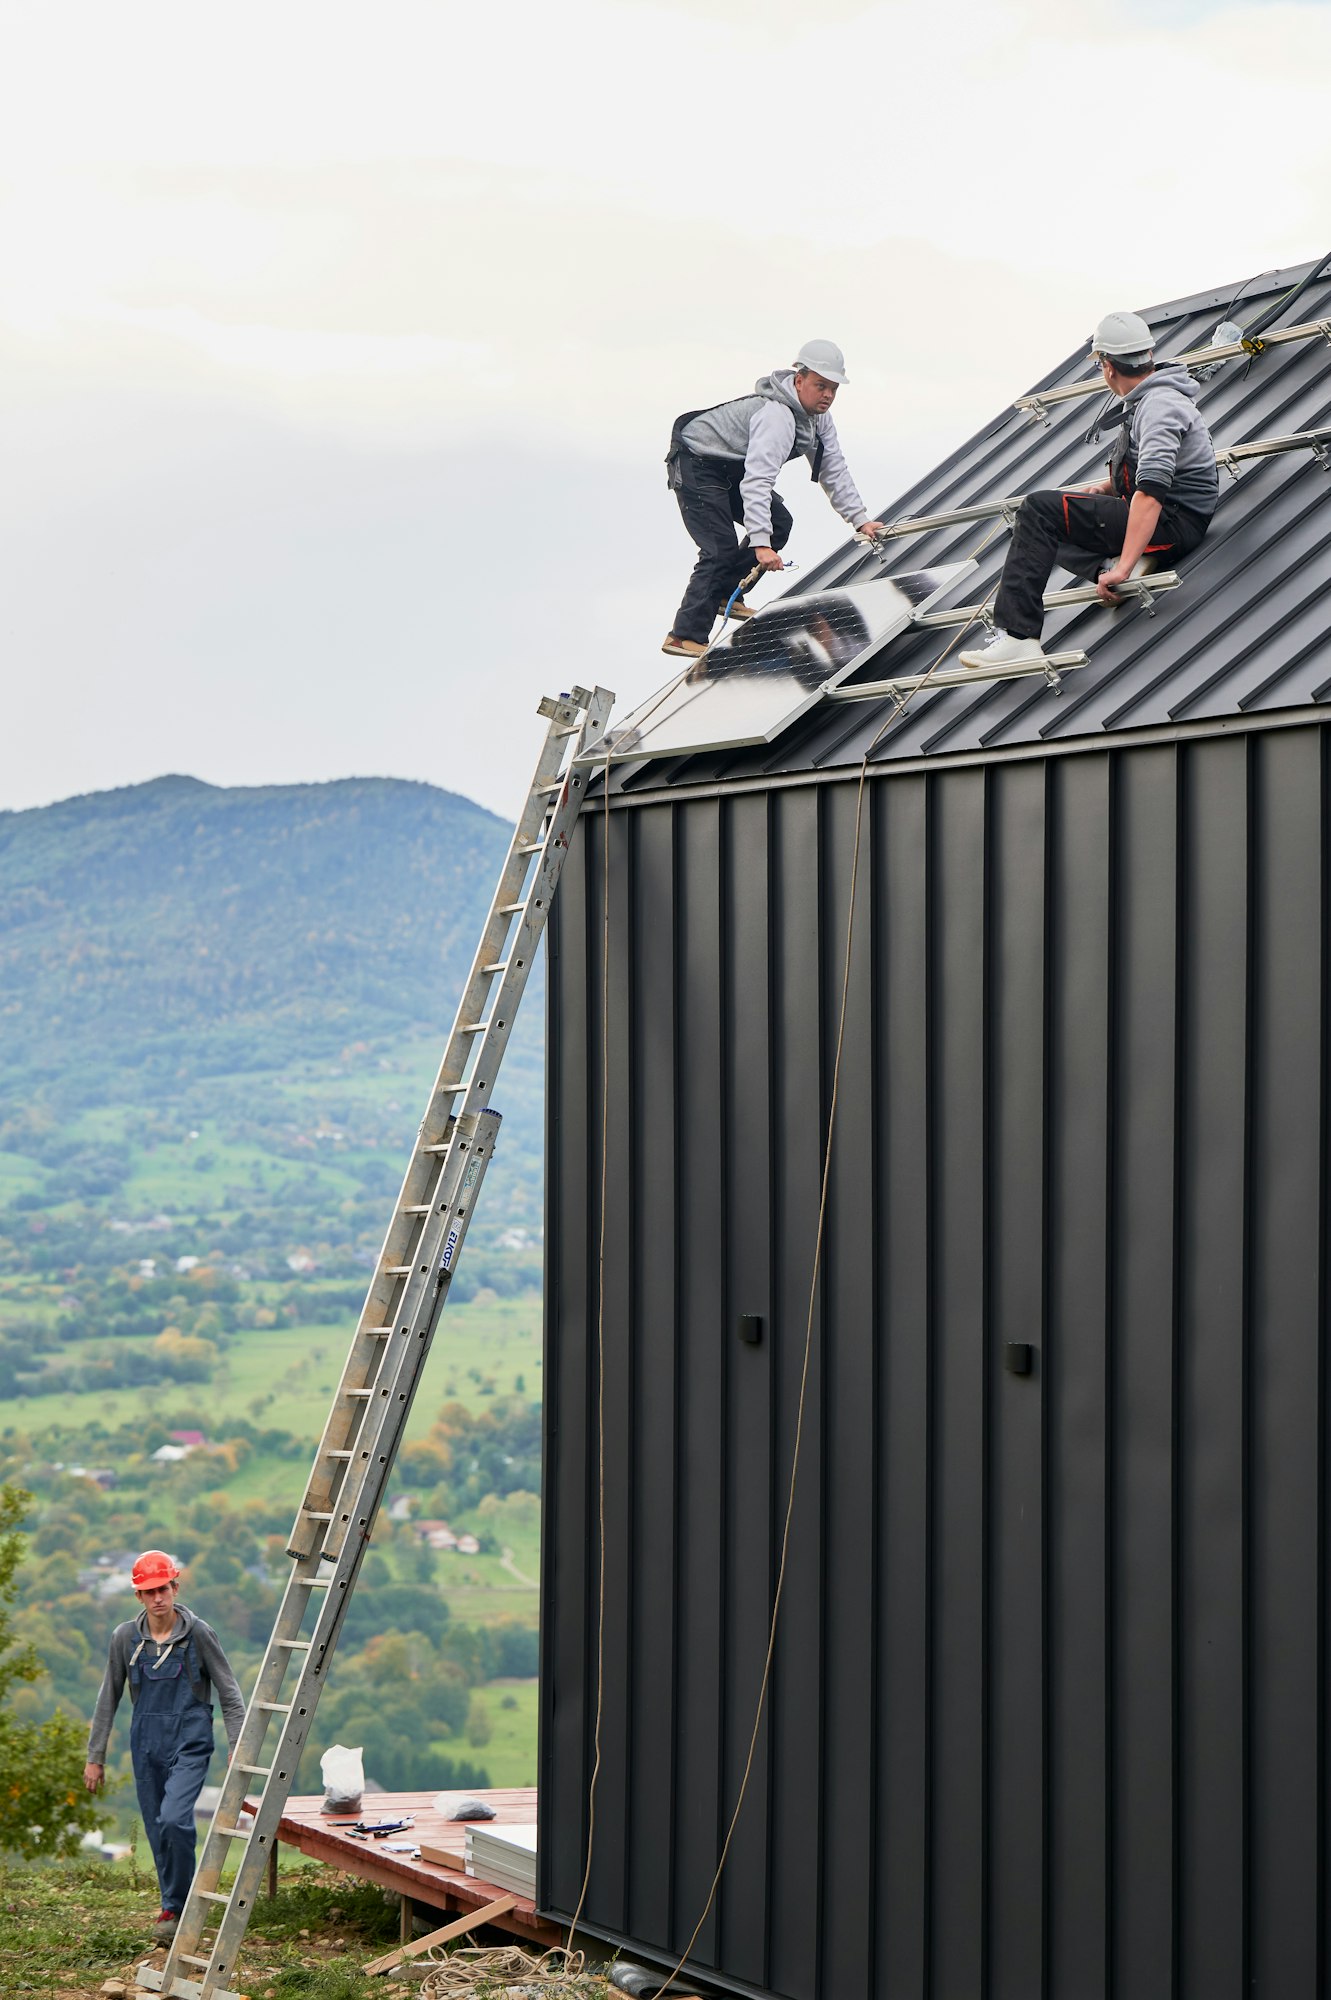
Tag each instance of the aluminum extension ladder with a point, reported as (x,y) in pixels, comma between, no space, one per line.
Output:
(425,1238)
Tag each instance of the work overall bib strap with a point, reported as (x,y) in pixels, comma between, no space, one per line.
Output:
(171,1746)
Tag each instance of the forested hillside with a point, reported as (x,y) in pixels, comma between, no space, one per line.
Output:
(220,1012)
(272,971)
(177,930)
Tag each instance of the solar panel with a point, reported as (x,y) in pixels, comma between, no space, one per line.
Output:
(760,676)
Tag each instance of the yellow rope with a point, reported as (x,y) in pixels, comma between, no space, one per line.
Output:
(897,714)
(600,1359)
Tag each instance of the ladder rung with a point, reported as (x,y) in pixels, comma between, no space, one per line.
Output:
(549,806)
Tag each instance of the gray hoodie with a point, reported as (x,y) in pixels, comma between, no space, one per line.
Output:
(1170,453)
(766,430)
(212,1663)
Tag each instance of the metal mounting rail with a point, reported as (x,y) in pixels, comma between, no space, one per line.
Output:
(388,1351)
(1142,588)
(983,510)
(1050,667)
(1318,442)
(1038,405)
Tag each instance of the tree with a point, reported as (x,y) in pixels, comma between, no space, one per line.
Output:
(44,1808)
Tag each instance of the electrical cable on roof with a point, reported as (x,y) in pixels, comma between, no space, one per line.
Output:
(1257,327)
(1229,309)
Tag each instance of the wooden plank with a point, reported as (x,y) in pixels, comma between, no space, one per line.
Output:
(458,1928)
(443,1857)
(442,1884)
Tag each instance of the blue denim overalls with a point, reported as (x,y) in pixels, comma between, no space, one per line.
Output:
(171,1746)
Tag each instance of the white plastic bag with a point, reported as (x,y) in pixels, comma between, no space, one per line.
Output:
(344,1779)
(461,1805)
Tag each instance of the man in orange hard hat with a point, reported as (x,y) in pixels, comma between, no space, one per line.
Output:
(172,1661)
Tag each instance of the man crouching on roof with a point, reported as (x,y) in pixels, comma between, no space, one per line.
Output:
(171,1660)
(1158,500)
(722,467)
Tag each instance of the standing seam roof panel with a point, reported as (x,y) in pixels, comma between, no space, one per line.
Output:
(1144,671)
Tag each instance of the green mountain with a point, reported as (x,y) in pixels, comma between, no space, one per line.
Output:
(177,929)
(222,1009)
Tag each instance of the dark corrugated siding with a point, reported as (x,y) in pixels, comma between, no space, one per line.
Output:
(1048,1712)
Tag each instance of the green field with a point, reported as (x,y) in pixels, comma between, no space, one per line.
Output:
(223,1017)
(284,1377)
(510,1752)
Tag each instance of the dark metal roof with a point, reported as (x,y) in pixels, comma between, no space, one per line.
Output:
(1248,631)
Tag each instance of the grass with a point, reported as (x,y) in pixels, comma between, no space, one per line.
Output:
(510,1754)
(65,1927)
(284,1377)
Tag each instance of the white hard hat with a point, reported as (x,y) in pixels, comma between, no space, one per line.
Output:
(824,357)
(1122,333)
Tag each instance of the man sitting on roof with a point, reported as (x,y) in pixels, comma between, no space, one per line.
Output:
(722,466)
(1159,497)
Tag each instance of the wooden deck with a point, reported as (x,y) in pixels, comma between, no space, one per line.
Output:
(323,1837)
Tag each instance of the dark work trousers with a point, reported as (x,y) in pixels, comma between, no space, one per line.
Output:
(708,496)
(1095,524)
(171,1747)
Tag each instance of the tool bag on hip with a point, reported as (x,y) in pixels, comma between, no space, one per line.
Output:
(674,470)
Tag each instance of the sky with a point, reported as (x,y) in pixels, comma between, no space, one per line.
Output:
(340,343)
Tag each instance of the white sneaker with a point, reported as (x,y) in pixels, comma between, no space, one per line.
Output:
(1003,651)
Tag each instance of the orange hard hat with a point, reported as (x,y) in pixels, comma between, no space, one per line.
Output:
(154,1567)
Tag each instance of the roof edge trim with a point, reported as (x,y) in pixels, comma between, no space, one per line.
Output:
(1308,716)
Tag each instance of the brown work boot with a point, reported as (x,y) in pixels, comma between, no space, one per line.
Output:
(687,649)
(739,609)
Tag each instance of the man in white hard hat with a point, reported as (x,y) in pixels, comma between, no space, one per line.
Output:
(1158,500)
(722,467)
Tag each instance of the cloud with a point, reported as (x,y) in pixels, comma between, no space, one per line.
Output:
(340,349)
